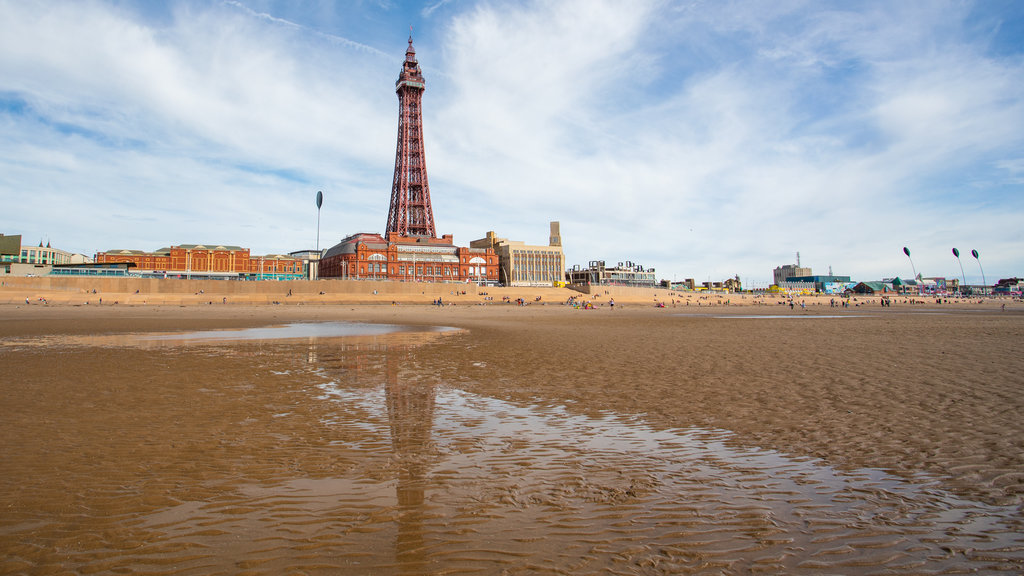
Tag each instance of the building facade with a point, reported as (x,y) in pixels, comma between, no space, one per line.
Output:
(202,261)
(367,256)
(14,251)
(624,274)
(784,273)
(19,260)
(521,264)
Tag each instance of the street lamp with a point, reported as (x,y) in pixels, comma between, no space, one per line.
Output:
(907,252)
(319,203)
(984,283)
(957,254)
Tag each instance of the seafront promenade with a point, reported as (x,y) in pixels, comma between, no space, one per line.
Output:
(150,291)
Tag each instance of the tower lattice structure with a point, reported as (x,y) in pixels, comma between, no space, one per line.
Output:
(410,213)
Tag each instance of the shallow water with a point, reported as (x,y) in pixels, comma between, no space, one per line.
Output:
(304,330)
(345,455)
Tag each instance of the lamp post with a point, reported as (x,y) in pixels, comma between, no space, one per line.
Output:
(314,274)
(962,275)
(907,252)
(319,203)
(984,287)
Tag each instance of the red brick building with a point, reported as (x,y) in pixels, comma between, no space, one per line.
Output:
(406,258)
(197,260)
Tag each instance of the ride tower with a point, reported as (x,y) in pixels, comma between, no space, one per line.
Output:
(410,213)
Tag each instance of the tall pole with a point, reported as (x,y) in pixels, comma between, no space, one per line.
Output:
(964,276)
(907,252)
(983,281)
(319,203)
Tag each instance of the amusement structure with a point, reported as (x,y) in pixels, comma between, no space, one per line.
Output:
(410,249)
(410,213)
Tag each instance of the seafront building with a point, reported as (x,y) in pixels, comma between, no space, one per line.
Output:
(310,261)
(624,274)
(521,264)
(19,260)
(782,274)
(368,256)
(206,261)
(825,284)
(410,249)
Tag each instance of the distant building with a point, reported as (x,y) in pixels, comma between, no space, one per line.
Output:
(874,288)
(106,270)
(624,274)
(366,256)
(820,283)
(784,273)
(1009,286)
(203,261)
(687,284)
(11,250)
(521,264)
(919,285)
(310,260)
(19,260)
(10,246)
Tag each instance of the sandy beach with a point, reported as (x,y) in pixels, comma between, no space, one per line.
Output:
(742,438)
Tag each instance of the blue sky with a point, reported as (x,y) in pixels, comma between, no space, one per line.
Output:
(705,139)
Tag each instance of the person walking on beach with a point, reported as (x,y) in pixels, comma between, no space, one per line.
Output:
(611,303)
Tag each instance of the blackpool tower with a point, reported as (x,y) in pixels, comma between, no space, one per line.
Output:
(410,213)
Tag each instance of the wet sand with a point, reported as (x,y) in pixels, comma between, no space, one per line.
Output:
(536,439)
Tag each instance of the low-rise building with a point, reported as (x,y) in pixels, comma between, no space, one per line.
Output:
(521,264)
(19,260)
(367,256)
(624,274)
(826,284)
(310,260)
(207,261)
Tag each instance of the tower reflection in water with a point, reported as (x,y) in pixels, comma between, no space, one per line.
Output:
(410,412)
(411,417)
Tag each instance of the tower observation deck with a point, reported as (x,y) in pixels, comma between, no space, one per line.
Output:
(410,213)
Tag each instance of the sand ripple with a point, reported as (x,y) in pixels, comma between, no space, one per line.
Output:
(314,458)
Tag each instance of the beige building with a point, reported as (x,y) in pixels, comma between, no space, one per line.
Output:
(19,260)
(521,264)
(783,273)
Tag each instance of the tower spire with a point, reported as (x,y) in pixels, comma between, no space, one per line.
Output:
(410,213)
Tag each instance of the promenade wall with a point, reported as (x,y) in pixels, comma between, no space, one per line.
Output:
(228,287)
(79,290)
